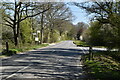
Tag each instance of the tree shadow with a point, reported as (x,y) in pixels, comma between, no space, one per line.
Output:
(48,64)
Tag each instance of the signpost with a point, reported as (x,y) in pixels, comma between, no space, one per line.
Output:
(36,40)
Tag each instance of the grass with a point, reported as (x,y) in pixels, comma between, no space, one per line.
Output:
(80,43)
(2,56)
(103,67)
(84,44)
(26,48)
(22,49)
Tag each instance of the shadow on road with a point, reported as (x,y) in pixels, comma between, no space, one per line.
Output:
(45,64)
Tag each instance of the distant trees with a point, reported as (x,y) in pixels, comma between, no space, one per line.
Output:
(56,17)
(65,28)
(72,33)
(41,18)
(80,28)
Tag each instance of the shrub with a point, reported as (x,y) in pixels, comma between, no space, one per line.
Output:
(9,53)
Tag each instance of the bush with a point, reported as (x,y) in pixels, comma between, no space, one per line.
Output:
(9,53)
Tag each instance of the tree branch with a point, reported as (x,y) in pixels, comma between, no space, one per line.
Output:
(8,21)
(10,18)
(64,12)
(8,25)
(33,15)
(102,7)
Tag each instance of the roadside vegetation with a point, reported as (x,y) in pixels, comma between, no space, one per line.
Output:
(15,50)
(80,43)
(104,31)
(104,28)
(103,66)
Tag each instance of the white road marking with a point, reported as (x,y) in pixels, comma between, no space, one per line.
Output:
(63,45)
(18,71)
(21,69)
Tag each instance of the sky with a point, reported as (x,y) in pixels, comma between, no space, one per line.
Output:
(80,15)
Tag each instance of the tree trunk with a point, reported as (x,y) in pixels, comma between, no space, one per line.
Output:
(14,26)
(15,37)
(7,47)
(18,29)
(60,33)
(41,39)
(51,36)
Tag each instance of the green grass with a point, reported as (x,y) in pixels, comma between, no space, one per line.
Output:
(80,43)
(23,49)
(30,47)
(84,44)
(103,67)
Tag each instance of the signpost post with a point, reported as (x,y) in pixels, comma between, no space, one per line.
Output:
(90,52)
(7,47)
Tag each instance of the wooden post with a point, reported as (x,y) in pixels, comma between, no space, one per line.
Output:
(90,52)
(7,47)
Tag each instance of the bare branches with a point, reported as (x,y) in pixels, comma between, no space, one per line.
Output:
(10,18)
(102,7)
(8,22)
(33,15)
(7,25)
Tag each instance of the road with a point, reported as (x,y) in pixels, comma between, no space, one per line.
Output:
(61,61)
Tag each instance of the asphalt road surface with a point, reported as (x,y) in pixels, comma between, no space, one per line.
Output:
(61,61)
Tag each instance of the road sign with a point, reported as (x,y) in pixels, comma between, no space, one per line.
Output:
(36,39)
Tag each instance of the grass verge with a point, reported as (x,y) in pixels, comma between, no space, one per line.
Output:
(80,43)
(84,44)
(103,67)
(21,49)
(29,47)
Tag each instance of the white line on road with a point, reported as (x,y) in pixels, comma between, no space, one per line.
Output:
(18,71)
(22,69)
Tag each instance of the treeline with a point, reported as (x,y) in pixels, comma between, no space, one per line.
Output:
(104,29)
(31,22)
